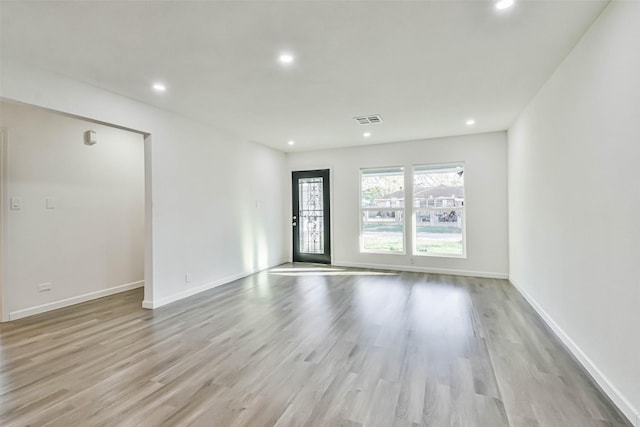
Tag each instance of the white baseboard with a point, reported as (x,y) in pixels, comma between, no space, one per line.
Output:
(19,314)
(415,269)
(191,291)
(147,304)
(600,378)
(196,290)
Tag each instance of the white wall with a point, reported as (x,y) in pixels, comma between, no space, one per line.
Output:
(93,240)
(485,157)
(574,202)
(203,183)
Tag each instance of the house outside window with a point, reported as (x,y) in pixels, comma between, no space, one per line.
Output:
(439,210)
(382,210)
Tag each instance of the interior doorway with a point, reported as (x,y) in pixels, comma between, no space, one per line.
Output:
(76,210)
(311,221)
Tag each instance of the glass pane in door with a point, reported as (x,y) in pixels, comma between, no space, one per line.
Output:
(311,220)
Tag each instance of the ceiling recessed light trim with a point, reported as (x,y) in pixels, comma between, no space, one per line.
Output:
(470,122)
(504,4)
(366,134)
(159,87)
(291,142)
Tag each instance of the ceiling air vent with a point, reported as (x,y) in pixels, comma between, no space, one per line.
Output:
(367,120)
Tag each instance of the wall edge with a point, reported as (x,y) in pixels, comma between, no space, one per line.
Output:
(607,387)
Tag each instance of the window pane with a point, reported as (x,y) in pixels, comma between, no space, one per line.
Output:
(439,209)
(311,221)
(383,231)
(439,232)
(438,186)
(383,188)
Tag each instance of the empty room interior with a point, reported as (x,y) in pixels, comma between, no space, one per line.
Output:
(320,213)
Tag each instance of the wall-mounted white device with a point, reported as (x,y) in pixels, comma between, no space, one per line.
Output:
(16,204)
(90,137)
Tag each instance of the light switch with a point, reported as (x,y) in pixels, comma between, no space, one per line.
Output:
(16,203)
(51,203)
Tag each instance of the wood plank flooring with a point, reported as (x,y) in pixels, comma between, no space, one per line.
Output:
(300,345)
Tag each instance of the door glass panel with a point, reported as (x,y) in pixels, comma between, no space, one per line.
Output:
(311,221)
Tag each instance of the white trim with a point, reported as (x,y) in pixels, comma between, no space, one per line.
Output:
(4,217)
(148,218)
(148,304)
(19,314)
(191,291)
(453,272)
(600,378)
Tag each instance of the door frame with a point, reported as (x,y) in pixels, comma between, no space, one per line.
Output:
(313,168)
(148,301)
(4,173)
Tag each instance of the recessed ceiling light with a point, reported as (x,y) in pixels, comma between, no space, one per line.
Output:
(291,142)
(470,122)
(159,87)
(366,134)
(504,4)
(285,58)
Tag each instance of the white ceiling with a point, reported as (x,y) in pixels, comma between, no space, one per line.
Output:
(424,66)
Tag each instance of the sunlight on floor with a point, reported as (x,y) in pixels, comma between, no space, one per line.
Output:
(287,269)
(325,271)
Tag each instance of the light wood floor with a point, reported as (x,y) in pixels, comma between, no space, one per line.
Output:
(300,345)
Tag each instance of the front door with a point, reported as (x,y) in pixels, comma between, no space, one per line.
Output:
(311,222)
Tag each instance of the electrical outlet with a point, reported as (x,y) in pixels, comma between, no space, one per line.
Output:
(43,287)
(187,278)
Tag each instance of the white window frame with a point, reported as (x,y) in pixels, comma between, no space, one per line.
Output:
(415,209)
(362,210)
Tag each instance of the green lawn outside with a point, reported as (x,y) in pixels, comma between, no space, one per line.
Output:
(423,245)
(444,247)
(385,243)
(439,239)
